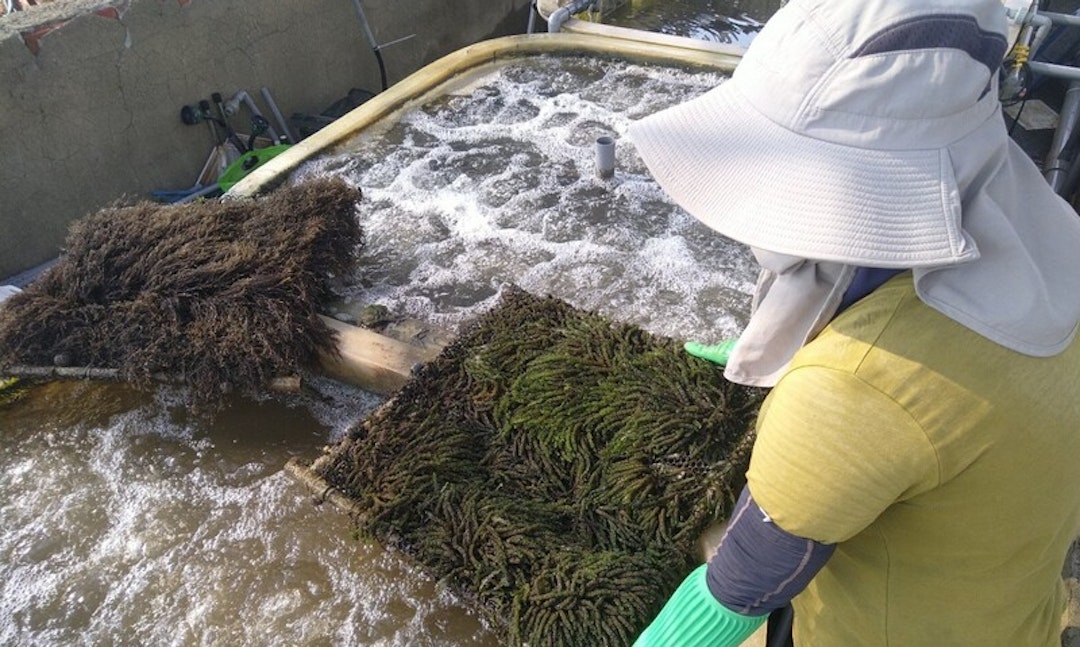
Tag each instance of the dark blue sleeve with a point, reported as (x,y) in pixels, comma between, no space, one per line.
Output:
(865,281)
(759,567)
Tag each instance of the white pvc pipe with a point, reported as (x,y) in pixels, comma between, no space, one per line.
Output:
(269,99)
(562,14)
(1061,18)
(1055,70)
(605,157)
(531,28)
(232,106)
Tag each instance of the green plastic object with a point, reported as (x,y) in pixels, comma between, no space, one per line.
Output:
(692,617)
(12,389)
(247,163)
(715,353)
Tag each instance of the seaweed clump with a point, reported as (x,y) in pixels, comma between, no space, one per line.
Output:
(554,468)
(221,295)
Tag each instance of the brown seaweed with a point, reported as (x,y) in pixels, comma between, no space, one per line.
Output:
(221,294)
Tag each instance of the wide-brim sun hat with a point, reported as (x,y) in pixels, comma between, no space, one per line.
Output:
(835,137)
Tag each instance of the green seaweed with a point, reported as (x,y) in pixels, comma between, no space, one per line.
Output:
(553,467)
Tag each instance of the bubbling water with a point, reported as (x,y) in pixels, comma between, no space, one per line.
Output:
(139,525)
(719,21)
(495,184)
(126,521)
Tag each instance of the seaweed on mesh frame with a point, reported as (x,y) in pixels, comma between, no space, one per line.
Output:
(222,295)
(554,468)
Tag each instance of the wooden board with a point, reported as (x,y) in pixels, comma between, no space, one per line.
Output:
(372,361)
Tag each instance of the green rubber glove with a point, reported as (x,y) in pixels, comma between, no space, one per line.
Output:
(716,353)
(692,617)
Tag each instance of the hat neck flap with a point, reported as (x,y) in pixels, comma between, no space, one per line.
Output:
(1022,292)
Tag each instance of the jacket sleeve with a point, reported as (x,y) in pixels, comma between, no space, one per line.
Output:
(759,567)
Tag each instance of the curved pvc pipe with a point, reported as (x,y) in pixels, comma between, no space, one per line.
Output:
(232,106)
(452,68)
(562,14)
(1042,25)
(555,22)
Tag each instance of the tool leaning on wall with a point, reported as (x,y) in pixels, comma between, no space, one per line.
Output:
(232,157)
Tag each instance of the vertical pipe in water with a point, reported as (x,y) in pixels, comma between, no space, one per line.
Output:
(605,157)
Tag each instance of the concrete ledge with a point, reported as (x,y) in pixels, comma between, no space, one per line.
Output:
(92,104)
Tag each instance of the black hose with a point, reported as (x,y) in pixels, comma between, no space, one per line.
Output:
(382,66)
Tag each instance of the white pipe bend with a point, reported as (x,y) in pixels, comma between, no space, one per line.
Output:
(562,14)
(232,106)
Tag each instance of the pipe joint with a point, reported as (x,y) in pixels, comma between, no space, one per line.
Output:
(562,14)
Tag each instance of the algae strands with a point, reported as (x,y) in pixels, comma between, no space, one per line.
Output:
(552,467)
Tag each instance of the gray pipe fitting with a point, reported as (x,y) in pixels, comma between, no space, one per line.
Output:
(605,157)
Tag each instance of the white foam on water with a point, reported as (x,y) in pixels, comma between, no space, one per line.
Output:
(468,193)
(128,521)
(152,528)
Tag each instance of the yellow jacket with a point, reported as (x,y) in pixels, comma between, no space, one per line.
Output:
(945,467)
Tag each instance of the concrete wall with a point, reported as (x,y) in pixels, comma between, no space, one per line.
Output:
(90,110)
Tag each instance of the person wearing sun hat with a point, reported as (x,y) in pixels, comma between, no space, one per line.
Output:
(914,479)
